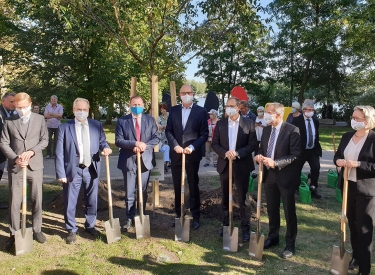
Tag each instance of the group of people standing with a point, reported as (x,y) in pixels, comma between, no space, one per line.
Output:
(282,147)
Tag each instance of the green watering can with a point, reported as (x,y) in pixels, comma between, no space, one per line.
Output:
(304,178)
(304,193)
(332,178)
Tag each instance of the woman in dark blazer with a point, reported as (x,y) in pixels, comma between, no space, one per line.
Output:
(357,152)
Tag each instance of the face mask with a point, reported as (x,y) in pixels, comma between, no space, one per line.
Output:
(309,114)
(356,125)
(293,110)
(230,111)
(81,115)
(260,113)
(137,110)
(23,111)
(187,99)
(268,118)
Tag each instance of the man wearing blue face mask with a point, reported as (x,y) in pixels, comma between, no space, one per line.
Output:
(136,132)
(78,164)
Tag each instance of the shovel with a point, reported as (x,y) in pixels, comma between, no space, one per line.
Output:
(256,243)
(142,222)
(341,256)
(230,233)
(112,226)
(24,236)
(182,225)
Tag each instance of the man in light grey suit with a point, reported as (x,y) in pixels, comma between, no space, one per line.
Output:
(135,132)
(23,138)
(78,164)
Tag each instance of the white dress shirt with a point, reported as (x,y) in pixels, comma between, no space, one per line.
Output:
(232,132)
(79,137)
(185,114)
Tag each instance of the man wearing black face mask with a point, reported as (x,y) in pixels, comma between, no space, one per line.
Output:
(187,132)
(136,132)
(78,164)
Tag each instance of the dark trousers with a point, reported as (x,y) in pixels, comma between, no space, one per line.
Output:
(241,179)
(313,159)
(71,192)
(131,187)
(273,193)
(51,132)
(191,169)
(361,213)
(35,181)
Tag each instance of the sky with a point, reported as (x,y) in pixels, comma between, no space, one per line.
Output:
(192,68)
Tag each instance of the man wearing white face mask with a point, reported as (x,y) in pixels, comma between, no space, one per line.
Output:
(78,164)
(311,151)
(187,132)
(23,138)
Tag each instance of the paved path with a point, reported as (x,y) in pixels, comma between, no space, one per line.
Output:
(326,163)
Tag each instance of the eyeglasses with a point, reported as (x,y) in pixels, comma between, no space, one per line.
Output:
(230,106)
(309,110)
(186,93)
(358,119)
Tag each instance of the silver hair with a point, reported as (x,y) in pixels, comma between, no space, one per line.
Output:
(81,99)
(308,103)
(260,108)
(54,96)
(296,105)
(279,108)
(369,114)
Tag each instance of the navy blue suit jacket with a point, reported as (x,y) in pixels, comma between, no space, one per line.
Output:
(126,139)
(67,153)
(195,132)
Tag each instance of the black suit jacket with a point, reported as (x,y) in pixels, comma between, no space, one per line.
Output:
(245,145)
(366,172)
(300,123)
(195,132)
(3,116)
(286,156)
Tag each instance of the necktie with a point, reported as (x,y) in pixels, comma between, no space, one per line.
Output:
(271,143)
(137,130)
(310,143)
(10,113)
(86,146)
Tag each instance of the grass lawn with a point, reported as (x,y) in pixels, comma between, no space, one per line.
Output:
(325,135)
(318,225)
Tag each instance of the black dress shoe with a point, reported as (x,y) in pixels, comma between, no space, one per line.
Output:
(10,243)
(353,264)
(71,238)
(39,237)
(92,231)
(288,253)
(245,236)
(270,242)
(127,225)
(174,221)
(195,224)
(206,164)
(316,195)
(220,232)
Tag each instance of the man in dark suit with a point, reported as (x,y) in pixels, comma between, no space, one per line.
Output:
(6,110)
(245,110)
(23,138)
(280,151)
(235,139)
(311,151)
(187,132)
(135,132)
(78,162)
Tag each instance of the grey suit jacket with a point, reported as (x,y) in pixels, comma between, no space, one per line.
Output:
(13,143)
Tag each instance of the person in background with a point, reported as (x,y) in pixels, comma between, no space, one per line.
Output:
(53,113)
(187,131)
(357,152)
(279,152)
(296,107)
(77,165)
(245,111)
(260,123)
(211,128)
(36,109)
(163,144)
(23,138)
(311,151)
(7,109)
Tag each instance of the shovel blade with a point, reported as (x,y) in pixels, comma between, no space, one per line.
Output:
(182,232)
(23,244)
(113,233)
(339,265)
(256,246)
(230,242)
(142,230)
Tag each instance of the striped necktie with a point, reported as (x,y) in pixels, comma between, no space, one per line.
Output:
(271,143)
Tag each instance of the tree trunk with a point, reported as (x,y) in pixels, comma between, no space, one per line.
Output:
(305,80)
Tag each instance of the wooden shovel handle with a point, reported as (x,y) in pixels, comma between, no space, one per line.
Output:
(260,179)
(183,180)
(24,190)
(140,189)
(230,185)
(109,188)
(344,203)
